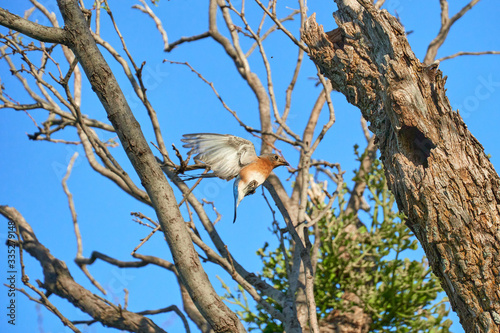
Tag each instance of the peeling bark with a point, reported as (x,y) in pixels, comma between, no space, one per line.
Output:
(437,170)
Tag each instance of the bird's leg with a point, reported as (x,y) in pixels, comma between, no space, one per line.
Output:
(251,187)
(247,190)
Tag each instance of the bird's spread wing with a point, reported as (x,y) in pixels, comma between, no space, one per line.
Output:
(225,154)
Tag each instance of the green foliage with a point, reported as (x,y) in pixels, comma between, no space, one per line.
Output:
(367,263)
(365,260)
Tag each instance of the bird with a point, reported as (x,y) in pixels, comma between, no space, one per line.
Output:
(232,157)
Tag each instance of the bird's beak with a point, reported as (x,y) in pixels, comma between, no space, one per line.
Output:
(285,163)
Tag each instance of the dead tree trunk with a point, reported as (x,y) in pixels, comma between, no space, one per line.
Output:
(437,170)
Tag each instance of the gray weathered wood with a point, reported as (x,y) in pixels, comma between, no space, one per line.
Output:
(435,167)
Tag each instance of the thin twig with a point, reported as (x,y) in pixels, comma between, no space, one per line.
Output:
(158,227)
(170,308)
(142,216)
(282,28)
(327,209)
(151,111)
(192,188)
(269,204)
(462,53)
(147,10)
(446,23)
(270,86)
(155,229)
(186,39)
(79,251)
(248,128)
(230,265)
(327,87)
(25,279)
(119,263)
(269,31)
(71,203)
(211,203)
(45,302)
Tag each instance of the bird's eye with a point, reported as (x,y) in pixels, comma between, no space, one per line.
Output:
(275,157)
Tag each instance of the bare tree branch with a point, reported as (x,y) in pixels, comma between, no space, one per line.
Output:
(128,186)
(331,120)
(282,28)
(462,53)
(188,303)
(170,308)
(77,86)
(43,300)
(446,24)
(239,59)
(271,30)
(356,200)
(118,263)
(79,252)
(31,29)
(147,10)
(182,40)
(58,281)
(144,162)
(142,95)
(309,285)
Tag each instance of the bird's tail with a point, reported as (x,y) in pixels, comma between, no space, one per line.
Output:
(237,198)
(234,220)
(236,204)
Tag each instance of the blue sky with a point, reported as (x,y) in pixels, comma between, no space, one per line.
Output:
(31,172)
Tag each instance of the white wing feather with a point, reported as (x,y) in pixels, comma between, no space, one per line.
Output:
(225,154)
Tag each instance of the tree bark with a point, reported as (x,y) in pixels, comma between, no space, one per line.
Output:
(437,170)
(31,29)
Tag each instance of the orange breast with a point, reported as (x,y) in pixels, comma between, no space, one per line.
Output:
(259,170)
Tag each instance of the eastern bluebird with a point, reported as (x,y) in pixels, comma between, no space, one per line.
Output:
(228,157)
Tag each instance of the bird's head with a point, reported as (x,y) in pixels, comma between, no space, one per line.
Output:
(276,160)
